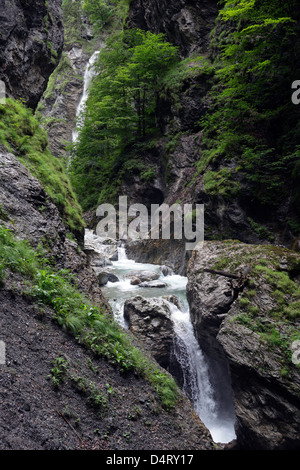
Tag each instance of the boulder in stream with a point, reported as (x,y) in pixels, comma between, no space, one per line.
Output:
(166,270)
(150,321)
(144,276)
(105,276)
(153,284)
(135,281)
(102,278)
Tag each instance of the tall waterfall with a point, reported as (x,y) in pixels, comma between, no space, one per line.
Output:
(218,415)
(212,403)
(88,76)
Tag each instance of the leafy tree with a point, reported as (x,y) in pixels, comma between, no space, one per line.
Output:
(120,108)
(252,117)
(99,11)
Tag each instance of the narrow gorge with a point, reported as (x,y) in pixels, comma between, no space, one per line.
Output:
(138,344)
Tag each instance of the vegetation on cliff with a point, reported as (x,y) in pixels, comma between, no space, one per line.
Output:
(251,121)
(120,111)
(274,273)
(73,311)
(21,134)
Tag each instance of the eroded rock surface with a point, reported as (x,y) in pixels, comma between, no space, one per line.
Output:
(31,43)
(29,212)
(150,321)
(185,23)
(251,324)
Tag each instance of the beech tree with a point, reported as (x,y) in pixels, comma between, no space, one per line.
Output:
(121,104)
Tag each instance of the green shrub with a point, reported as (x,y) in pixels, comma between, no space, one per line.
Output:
(21,133)
(93,326)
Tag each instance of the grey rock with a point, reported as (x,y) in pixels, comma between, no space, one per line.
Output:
(166,270)
(186,23)
(32,214)
(266,401)
(102,278)
(112,277)
(31,42)
(135,281)
(144,276)
(153,284)
(149,320)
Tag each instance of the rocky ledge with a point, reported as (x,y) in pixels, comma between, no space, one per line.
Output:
(245,304)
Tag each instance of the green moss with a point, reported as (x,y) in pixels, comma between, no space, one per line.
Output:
(269,304)
(21,133)
(189,69)
(276,325)
(221,183)
(3,214)
(92,326)
(59,79)
(261,230)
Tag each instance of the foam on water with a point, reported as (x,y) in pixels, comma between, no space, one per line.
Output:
(217,416)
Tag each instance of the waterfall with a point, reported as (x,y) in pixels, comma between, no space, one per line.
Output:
(88,76)
(197,384)
(212,403)
(122,253)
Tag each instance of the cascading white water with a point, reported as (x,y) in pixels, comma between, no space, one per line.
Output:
(197,384)
(195,368)
(122,253)
(88,76)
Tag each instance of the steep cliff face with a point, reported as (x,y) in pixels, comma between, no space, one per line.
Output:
(52,387)
(31,43)
(28,211)
(59,103)
(233,207)
(244,302)
(186,24)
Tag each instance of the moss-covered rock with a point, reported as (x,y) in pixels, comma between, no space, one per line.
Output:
(252,322)
(22,135)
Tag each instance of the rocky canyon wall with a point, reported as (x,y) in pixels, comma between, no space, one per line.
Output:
(31,42)
(187,24)
(241,301)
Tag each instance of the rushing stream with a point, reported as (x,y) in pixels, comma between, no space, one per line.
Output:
(197,385)
(215,411)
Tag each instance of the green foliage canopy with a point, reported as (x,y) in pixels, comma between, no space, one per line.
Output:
(120,108)
(252,118)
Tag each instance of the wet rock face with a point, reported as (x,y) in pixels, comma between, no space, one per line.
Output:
(30,211)
(27,210)
(150,322)
(31,42)
(161,252)
(186,23)
(239,297)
